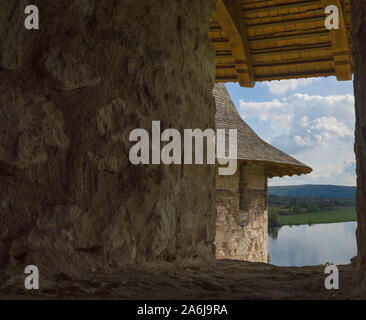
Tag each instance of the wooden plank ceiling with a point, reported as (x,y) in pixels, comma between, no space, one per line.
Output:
(262,40)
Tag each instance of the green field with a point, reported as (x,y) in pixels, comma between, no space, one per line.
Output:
(341,214)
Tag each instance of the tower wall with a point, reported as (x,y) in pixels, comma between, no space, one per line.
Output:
(242,214)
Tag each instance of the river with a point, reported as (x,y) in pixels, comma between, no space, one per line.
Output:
(313,245)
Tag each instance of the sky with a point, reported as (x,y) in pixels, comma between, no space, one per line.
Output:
(311,119)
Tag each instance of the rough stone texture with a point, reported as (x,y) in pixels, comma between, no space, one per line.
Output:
(242,214)
(30,126)
(221,279)
(12,33)
(70,201)
(358,9)
(67,71)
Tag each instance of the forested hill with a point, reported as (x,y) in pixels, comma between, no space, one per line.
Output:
(314,191)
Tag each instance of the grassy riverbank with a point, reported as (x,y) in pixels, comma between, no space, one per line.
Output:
(340,214)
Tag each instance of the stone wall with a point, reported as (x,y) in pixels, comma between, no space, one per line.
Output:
(242,214)
(358,10)
(70,94)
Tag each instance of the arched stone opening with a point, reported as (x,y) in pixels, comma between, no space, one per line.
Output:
(71,92)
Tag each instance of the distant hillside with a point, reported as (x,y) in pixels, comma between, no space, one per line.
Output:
(314,191)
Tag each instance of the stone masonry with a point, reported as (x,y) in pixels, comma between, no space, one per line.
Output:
(242,214)
(70,94)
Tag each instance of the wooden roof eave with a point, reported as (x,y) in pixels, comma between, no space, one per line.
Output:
(280,169)
(283,40)
(228,15)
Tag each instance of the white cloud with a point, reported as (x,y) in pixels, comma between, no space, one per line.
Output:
(331,165)
(274,111)
(330,125)
(301,121)
(280,87)
(317,130)
(350,167)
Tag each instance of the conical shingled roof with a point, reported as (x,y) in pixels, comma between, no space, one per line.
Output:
(250,146)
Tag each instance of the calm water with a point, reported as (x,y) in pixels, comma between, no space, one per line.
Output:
(312,245)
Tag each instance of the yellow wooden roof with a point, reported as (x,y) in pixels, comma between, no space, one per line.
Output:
(261,40)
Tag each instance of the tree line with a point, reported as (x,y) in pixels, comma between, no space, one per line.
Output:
(298,205)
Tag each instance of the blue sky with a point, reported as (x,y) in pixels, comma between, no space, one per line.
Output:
(310,119)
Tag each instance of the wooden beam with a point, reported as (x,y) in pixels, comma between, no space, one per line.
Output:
(282,76)
(270,52)
(340,45)
(290,37)
(228,14)
(297,5)
(226,79)
(286,23)
(295,62)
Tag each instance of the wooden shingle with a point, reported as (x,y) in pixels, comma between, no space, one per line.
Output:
(263,40)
